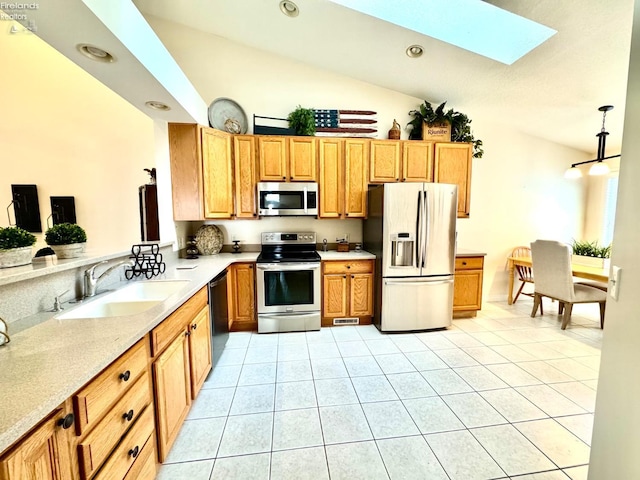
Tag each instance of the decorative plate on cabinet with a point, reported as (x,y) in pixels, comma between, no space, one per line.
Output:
(209,240)
(228,116)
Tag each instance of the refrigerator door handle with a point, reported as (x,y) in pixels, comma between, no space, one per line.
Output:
(427,230)
(419,232)
(437,282)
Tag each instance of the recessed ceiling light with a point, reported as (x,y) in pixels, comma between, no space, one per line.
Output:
(158,106)
(95,53)
(415,51)
(289,8)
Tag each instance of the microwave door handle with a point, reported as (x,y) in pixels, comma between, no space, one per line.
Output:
(304,190)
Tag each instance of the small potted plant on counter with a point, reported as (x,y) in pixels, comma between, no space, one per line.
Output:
(15,247)
(590,254)
(66,239)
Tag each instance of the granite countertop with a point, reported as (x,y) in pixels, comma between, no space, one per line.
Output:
(47,363)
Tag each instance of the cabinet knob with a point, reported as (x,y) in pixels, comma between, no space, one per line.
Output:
(404,179)
(194,326)
(125,376)
(66,421)
(251,266)
(186,334)
(128,416)
(284,178)
(134,451)
(353,276)
(346,214)
(464,263)
(348,266)
(344,276)
(397,179)
(255,214)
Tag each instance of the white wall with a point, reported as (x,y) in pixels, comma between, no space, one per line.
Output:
(518,192)
(67,133)
(616,442)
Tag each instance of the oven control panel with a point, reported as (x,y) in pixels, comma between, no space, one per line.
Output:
(288,238)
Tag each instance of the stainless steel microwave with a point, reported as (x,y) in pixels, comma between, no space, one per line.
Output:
(278,199)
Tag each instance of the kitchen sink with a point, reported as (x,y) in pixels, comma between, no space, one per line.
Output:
(130,300)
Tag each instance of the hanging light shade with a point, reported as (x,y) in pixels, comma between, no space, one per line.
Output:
(598,167)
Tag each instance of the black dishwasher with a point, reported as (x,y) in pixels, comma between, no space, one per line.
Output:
(219,315)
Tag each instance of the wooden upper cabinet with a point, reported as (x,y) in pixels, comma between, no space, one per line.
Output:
(186,171)
(244,158)
(302,159)
(272,159)
(385,161)
(356,163)
(331,168)
(417,161)
(452,164)
(217,172)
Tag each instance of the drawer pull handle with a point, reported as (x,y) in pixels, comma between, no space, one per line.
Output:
(464,263)
(134,451)
(348,266)
(67,421)
(125,376)
(194,326)
(128,416)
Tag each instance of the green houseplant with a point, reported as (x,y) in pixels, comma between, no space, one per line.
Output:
(302,121)
(590,254)
(15,247)
(460,125)
(66,239)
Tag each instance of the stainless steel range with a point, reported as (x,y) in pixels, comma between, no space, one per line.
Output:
(288,283)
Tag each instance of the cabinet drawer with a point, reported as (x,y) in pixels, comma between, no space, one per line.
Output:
(96,398)
(144,467)
(163,334)
(357,266)
(129,449)
(469,263)
(95,448)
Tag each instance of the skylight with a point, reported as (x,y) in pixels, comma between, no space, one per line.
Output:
(474,25)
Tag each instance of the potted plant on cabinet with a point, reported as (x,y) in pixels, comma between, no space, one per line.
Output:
(303,121)
(590,254)
(66,239)
(15,247)
(458,122)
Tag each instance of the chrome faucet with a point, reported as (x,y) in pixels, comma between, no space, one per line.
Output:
(91,281)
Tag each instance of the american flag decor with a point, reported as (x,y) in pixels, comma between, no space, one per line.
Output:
(346,123)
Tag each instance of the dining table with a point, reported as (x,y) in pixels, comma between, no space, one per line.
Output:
(581,271)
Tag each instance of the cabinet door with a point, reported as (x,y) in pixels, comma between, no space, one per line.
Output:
(453,165)
(334,296)
(361,295)
(385,161)
(244,149)
(199,350)
(272,159)
(186,171)
(217,171)
(302,159)
(243,297)
(417,161)
(356,162)
(330,184)
(44,454)
(467,290)
(172,392)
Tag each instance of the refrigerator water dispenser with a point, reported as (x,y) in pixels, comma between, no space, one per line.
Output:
(402,250)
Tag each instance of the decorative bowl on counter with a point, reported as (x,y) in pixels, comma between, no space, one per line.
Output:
(209,240)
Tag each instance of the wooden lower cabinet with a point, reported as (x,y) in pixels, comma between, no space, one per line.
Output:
(347,290)
(467,286)
(241,297)
(199,351)
(45,453)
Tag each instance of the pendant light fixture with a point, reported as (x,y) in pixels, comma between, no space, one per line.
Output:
(598,168)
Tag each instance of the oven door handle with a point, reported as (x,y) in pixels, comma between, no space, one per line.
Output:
(287,267)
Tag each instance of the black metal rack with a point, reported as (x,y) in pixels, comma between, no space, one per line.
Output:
(147,261)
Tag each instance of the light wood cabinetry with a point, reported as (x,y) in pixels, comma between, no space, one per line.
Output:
(343,178)
(283,159)
(201,172)
(384,161)
(241,297)
(181,347)
(467,286)
(417,161)
(452,164)
(347,290)
(244,158)
(46,453)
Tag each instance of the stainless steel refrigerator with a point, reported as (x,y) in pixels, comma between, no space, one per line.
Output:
(411,228)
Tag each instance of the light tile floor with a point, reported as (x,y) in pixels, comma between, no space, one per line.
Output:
(499,396)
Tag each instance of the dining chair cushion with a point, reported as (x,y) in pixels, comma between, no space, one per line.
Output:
(585,294)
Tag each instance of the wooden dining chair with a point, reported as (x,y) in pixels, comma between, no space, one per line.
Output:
(525,275)
(551,262)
